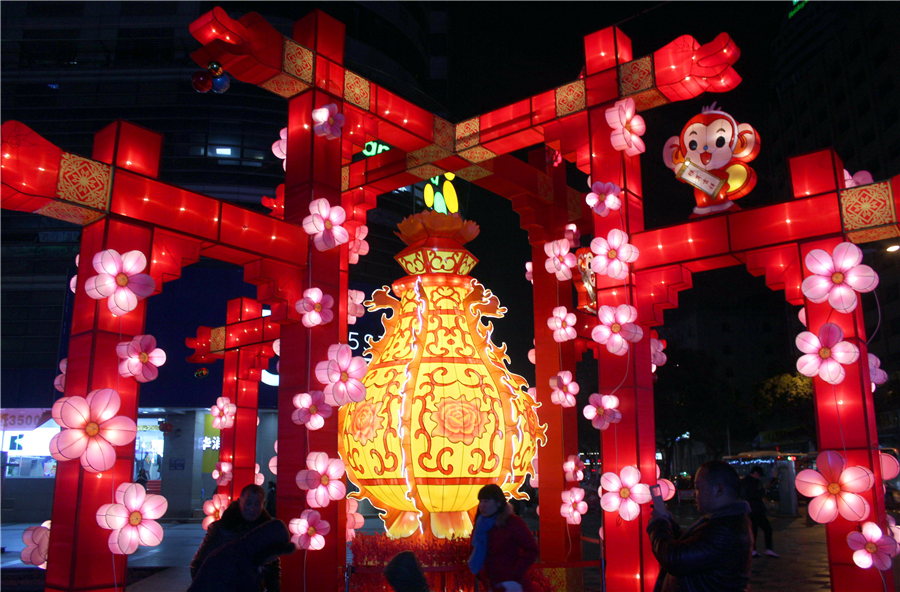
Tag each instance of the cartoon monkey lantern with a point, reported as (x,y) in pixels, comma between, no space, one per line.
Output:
(711,154)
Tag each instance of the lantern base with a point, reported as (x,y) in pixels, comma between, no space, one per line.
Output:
(450,525)
(401,524)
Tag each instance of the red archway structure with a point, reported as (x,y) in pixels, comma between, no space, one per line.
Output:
(122,206)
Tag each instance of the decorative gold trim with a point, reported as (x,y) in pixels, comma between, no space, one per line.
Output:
(297,61)
(468,133)
(357,90)
(570,98)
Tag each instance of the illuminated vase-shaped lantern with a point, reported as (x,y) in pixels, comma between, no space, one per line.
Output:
(443,416)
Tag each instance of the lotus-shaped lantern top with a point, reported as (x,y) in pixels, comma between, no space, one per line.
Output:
(421,226)
(436,244)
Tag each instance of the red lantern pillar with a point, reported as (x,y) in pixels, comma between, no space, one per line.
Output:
(313,172)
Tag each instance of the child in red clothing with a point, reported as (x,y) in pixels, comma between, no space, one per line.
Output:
(503,547)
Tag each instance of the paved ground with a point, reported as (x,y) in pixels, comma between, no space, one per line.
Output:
(803,566)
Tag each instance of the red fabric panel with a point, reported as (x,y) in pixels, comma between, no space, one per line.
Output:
(782,268)
(698,239)
(785,222)
(23,156)
(599,51)
(137,148)
(329,77)
(815,173)
(602,87)
(505,120)
(321,33)
(216,23)
(543,107)
(405,117)
(170,253)
(264,235)
(516,141)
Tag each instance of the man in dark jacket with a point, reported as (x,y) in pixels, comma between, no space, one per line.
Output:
(238,519)
(753,490)
(713,555)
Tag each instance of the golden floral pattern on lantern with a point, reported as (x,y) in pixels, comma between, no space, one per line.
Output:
(427,171)
(649,99)
(69,213)
(871,235)
(84,182)
(468,133)
(217,340)
(357,90)
(458,420)
(635,76)
(570,98)
(365,421)
(867,206)
(477,154)
(455,418)
(298,61)
(284,85)
(425,155)
(443,133)
(474,172)
(345,178)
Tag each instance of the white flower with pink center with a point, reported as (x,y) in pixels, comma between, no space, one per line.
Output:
(835,488)
(860,178)
(273,462)
(315,306)
(328,122)
(342,376)
(132,519)
(223,413)
(825,354)
(657,356)
(625,493)
(311,410)
(876,374)
(602,411)
(358,246)
(572,235)
(617,328)
(627,126)
(604,198)
(59,383)
(355,520)
(890,466)
(279,148)
(532,354)
(213,508)
(574,468)
(324,224)
(564,389)
(323,478)
(309,530)
(563,324)
(559,260)
(223,473)
(258,477)
(355,308)
(120,281)
(666,487)
(140,358)
(91,429)
(872,548)
(529,271)
(893,529)
(37,545)
(573,505)
(613,254)
(838,277)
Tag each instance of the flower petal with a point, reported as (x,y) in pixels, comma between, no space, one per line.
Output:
(831,465)
(819,262)
(630,476)
(846,256)
(853,507)
(823,509)
(857,479)
(862,278)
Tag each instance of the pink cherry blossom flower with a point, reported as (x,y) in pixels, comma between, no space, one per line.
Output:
(279,148)
(59,383)
(324,224)
(871,547)
(574,468)
(213,508)
(890,466)
(572,235)
(860,178)
(573,505)
(37,545)
(624,493)
(276,347)
(531,352)
(328,121)
(802,316)
(309,530)
(617,328)
(258,477)
(223,473)
(315,306)
(613,254)
(628,127)
(604,198)
(834,488)
(602,411)
(359,246)
(355,308)
(825,354)
(91,429)
(311,410)
(273,462)
(223,413)
(323,478)
(355,520)
(132,519)
(895,532)
(529,272)
(534,462)
(559,260)
(563,324)
(120,281)
(657,357)
(876,374)
(341,374)
(564,389)
(838,277)
(73,283)
(140,358)
(666,487)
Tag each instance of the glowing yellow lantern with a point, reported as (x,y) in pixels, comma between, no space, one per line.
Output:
(443,416)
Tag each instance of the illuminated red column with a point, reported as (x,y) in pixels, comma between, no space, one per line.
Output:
(79,556)
(313,172)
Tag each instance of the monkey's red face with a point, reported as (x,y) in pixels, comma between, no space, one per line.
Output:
(709,145)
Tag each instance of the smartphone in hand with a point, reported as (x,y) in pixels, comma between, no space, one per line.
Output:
(659,504)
